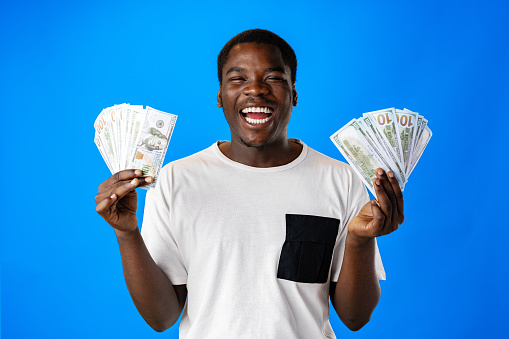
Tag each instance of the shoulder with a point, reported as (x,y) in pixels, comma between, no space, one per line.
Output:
(204,156)
(185,170)
(339,172)
(320,159)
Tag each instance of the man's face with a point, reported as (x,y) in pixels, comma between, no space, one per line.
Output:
(256,94)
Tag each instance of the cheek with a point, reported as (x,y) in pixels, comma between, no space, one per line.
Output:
(228,101)
(228,104)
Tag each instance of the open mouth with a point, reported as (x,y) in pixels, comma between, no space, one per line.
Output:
(257,115)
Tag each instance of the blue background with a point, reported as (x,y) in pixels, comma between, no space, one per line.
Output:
(61,62)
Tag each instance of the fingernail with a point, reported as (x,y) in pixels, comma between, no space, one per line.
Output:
(133,182)
(137,172)
(149,179)
(380,171)
(112,196)
(377,182)
(391,174)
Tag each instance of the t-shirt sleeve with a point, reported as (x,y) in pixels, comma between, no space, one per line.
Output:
(358,197)
(157,234)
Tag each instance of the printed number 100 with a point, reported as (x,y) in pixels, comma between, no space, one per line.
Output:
(405,120)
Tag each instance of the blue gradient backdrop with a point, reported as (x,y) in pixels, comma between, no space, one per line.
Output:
(61,62)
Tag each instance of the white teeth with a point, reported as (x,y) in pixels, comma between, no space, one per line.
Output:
(257,121)
(265,110)
(256,110)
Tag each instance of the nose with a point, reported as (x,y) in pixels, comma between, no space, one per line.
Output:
(256,88)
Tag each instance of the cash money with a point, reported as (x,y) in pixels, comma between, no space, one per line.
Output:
(391,139)
(406,122)
(131,137)
(385,123)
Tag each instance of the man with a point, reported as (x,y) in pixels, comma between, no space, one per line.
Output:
(260,230)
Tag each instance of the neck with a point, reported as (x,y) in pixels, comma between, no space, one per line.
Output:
(275,154)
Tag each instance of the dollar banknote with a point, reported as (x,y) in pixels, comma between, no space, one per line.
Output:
(391,139)
(152,141)
(131,137)
(386,151)
(419,149)
(106,140)
(353,143)
(385,123)
(406,122)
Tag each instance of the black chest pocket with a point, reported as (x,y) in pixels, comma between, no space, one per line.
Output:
(307,251)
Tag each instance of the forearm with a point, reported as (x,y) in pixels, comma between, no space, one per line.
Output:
(152,292)
(357,290)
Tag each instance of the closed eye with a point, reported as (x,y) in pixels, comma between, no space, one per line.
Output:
(275,79)
(236,79)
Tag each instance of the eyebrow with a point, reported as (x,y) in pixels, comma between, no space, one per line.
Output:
(235,69)
(240,69)
(276,69)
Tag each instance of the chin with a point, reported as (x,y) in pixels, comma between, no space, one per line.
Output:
(260,145)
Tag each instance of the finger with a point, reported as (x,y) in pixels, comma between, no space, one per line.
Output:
(120,176)
(389,189)
(384,202)
(105,204)
(399,206)
(389,184)
(376,225)
(145,181)
(107,191)
(386,184)
(127,187)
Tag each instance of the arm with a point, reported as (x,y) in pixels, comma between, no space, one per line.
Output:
(158,301)
(357,291)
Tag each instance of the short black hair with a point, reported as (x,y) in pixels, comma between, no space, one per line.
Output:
(259,36)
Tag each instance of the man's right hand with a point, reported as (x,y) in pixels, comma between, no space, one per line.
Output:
(117,199)
(159,302)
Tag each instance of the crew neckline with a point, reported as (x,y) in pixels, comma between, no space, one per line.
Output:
(292,164)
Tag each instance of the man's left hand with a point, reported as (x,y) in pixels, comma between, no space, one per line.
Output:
(379,216)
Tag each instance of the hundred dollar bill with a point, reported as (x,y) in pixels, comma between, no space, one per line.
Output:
(110,129)
(418,130)
(134,115)
(100,146)
(120,128)
(377,139)
(120,115)
(352,142)
(372,137)
(137,119)
(421,145)
(422,123)
(106,139)
(125,130)
(385,123)
(152,142)
(406,123)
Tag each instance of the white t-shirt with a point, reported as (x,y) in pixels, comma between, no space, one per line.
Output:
(256,247)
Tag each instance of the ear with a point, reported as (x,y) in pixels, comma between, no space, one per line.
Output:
(294,95)
(219,100)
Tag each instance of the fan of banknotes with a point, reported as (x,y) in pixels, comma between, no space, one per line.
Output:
(391,139)
(129,136)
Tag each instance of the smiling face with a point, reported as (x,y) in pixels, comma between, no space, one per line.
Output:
(257,95)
